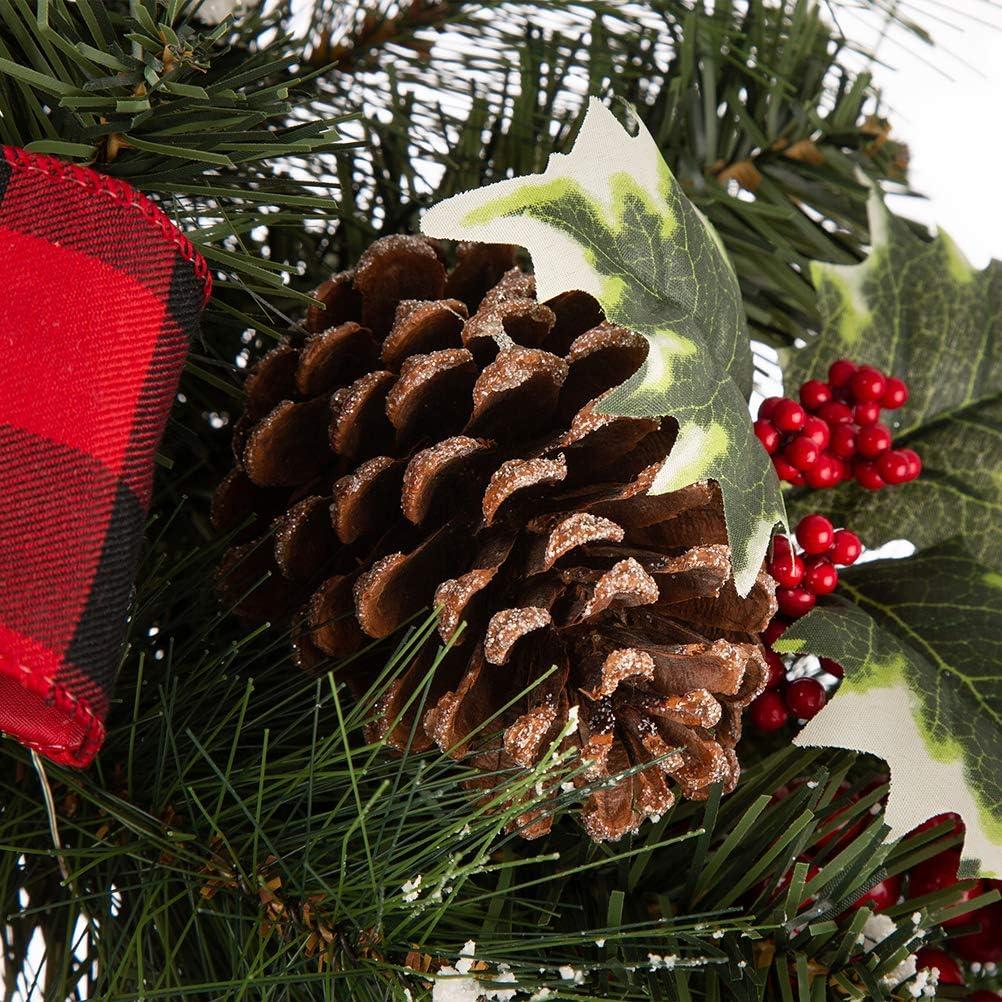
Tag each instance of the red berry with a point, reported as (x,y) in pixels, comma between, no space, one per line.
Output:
(843,441)
(767,434)
(866,413)
(883,895)
(939,872)
(814,393)
(949,969)
(985,945)
(843,469)
(841,372)
(785,470)
(821,577)
(805,697)
(817,431)
(801,453)
(777,670)
(794,602)
(868,476)
(956,821)
(768,712)
(873,440)
(963,896)
(767,406)
(983,995)
(832,667)
(893,466)
(774,630)
(788,415)
(934,874)
(834,413)
(815,533)
(868,383)
(787,570)
(914,462)
(825,473)
(846,548)
(782,546)
(895,394)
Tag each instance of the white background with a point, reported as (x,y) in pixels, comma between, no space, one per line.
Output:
(946,103)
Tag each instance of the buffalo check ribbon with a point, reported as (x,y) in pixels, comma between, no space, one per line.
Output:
(99,296)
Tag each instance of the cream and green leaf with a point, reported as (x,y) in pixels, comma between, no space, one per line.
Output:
(921,644)
(608,218)
(917,309)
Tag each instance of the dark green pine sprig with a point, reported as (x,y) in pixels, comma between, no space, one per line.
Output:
(207,120)
(235,128)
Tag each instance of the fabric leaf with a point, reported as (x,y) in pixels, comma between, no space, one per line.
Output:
(608,218)
(917,309)
(922,652)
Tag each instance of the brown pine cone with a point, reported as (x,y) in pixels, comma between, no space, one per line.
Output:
(432,439)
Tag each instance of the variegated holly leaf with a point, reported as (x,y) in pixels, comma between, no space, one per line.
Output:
(608,218)
(917,309)
(921,644)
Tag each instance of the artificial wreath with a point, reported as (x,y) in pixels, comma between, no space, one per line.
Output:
(500,630)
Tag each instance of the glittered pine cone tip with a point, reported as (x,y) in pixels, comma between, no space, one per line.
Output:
(433,437)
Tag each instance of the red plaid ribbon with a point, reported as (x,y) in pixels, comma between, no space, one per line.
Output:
(98,299)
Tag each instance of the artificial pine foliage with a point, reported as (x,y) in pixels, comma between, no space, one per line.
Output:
(245,832)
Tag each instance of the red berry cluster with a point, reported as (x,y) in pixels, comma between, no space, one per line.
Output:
(783,700)
(803,577)
(834,434)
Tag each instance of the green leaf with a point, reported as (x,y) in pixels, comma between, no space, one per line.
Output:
(609,218)
(917,309)
(922,652)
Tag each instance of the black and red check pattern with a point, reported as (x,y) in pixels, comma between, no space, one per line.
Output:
(99,297)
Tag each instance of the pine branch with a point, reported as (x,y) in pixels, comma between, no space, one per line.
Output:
(754,107)
(203,119)
(240,830)
(363,32)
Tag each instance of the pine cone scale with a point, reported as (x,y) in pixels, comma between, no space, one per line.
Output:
(423,327)
(288,446)
(397,585)
(367,497)
(437,469)
(359,425)
(338,354)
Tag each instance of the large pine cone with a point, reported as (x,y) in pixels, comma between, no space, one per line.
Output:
(433,439)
